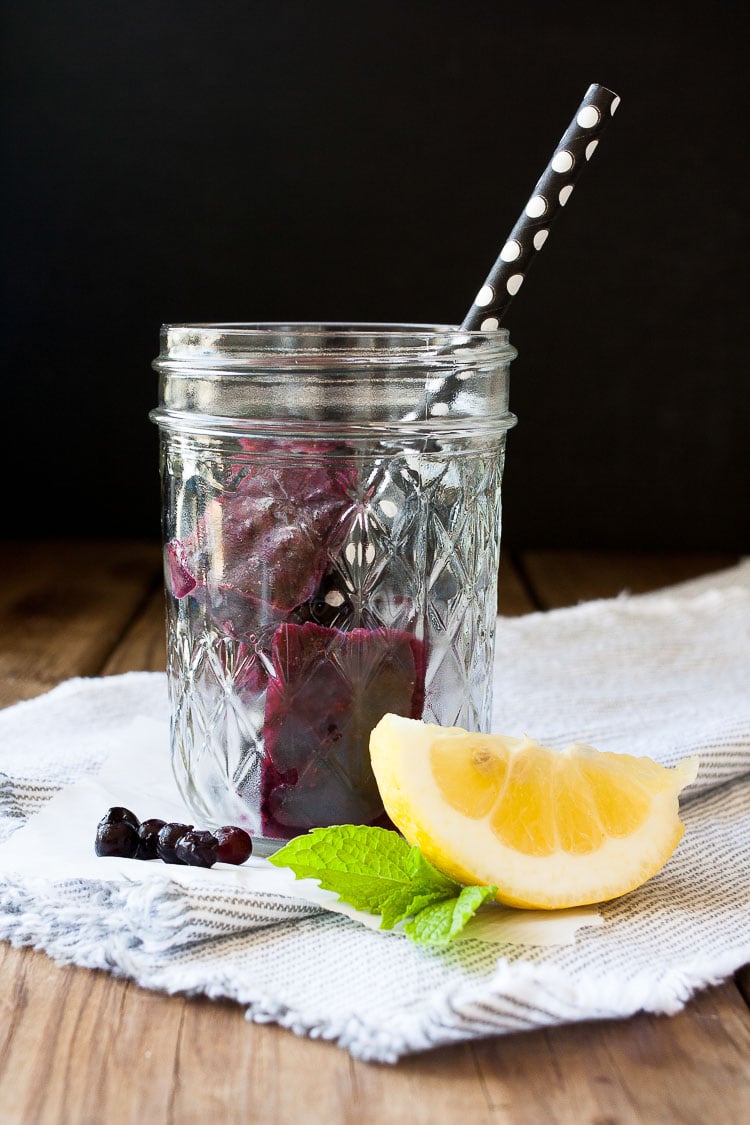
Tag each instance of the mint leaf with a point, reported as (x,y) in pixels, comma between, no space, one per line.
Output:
(375,870)
(426,886)
(426,875)
(404,904)
(440,923)
(364,866)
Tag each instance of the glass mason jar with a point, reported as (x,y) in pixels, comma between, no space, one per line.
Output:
(331,520)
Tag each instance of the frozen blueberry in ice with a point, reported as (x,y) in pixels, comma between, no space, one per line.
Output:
(328,691)
(330,605)
(179,580)
(273,529)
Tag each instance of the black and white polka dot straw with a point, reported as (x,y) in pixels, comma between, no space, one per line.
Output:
(547,200)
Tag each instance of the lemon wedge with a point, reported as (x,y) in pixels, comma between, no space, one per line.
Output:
(549,828)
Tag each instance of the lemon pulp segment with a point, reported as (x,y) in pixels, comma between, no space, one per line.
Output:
(549,828)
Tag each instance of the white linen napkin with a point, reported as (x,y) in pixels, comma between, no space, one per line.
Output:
(664,674)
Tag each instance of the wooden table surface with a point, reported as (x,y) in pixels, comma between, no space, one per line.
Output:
(79,1046)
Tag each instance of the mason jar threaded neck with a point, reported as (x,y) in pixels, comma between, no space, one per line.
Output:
(338,376)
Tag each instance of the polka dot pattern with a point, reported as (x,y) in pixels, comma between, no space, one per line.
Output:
(511,251)
(549,197)
(562,161)
(536,206)
(588,117)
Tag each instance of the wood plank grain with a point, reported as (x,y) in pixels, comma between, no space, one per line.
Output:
(143,646)
(85,1047)
(691,1068)
(256,1073)
(64,606)
(118,1053)
(560,578)
(121,1054)
(443,1085)
(513,597)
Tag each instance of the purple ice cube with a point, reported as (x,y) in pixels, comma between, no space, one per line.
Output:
(328,691)
(263,547)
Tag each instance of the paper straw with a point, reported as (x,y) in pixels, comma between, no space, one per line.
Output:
(552,192)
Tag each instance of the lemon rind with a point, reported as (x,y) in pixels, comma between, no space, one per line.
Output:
(452,841)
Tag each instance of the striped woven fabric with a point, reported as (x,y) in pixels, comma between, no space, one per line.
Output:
(665,674)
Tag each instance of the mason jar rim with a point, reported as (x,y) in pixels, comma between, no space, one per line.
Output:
(232,344)
(325,327)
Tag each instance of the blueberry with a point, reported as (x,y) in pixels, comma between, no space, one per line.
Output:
(167,838)
(148,832)
(199,849)
(117,838)
(330,605)
(120,833)
(117,813)
(235,845)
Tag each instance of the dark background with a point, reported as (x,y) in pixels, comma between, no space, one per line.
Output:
(189,160)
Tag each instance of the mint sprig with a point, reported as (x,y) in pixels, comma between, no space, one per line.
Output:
(376,870)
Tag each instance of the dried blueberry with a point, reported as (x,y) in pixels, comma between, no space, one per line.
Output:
(235,845)
(199,849)
(167,838)
(120,833)
(148,831)
(116,838)
(119,813)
